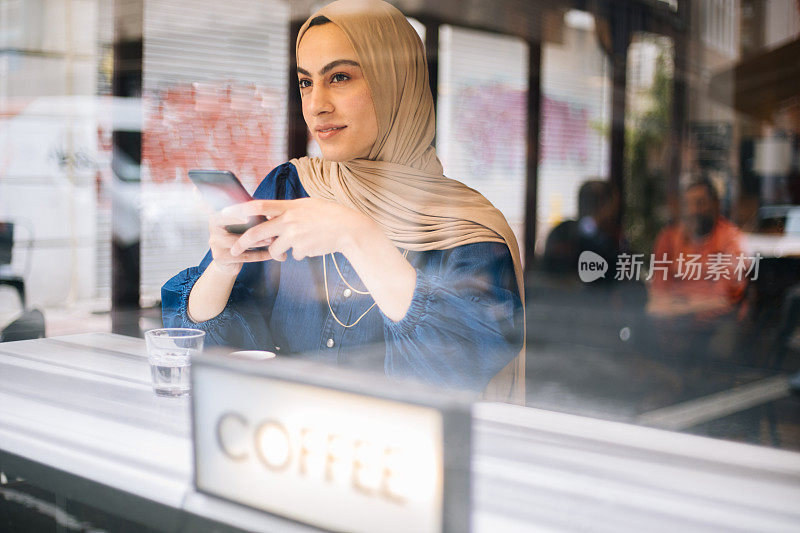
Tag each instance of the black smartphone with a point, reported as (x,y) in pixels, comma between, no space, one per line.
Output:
(220,188)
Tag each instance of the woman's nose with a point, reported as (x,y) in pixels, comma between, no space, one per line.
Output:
(320,101)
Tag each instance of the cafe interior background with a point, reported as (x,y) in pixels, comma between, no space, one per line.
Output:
(104,106)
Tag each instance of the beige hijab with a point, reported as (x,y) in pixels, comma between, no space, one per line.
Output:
(401,183)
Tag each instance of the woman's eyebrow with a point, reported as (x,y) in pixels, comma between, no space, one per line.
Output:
(329,66)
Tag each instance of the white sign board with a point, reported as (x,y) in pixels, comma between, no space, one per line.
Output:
(324,456)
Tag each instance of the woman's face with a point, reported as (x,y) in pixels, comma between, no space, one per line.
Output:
(335,94)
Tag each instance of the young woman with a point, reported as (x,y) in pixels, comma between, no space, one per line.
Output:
(385,250)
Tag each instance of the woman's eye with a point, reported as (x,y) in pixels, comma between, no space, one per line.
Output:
(336,78)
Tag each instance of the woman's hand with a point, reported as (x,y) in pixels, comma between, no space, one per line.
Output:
(313,227)
(221,240)
(309,226)
(210,293)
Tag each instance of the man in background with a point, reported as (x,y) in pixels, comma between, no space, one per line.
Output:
(696,289)
(596,230)
(603,313)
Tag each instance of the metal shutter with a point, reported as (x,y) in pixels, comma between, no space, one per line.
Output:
(196,52)
(482,116)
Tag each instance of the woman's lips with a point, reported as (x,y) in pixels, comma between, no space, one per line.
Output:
(330,133)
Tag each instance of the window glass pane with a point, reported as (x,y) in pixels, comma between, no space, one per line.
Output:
(49,151)
(645,155)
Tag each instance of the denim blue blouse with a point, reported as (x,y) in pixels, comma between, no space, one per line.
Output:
(463,326)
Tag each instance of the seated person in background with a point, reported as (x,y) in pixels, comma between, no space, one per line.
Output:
(596,230)
(603,312)
(695,288)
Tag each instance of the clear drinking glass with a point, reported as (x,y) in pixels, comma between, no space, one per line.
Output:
(170,351)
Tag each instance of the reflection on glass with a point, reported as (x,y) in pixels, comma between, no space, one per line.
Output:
(646,160)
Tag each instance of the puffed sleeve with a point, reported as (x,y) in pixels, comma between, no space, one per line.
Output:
(465,321)
(243,323)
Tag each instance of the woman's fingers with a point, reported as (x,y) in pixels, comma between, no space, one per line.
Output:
(267,208)
(220,219)
(249,256)
(222,239)
(257,236)
(254,256)
(279,247)
(221,243)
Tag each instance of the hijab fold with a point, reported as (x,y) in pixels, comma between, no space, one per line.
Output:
(400,185)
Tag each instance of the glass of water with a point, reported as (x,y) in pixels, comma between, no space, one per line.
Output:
(170,351)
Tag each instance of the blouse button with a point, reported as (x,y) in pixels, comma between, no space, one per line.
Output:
(330,343)
(347,293)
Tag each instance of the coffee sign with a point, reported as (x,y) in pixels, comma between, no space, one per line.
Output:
(329,451)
